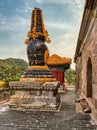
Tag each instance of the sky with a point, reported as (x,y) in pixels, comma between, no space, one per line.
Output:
(62,20)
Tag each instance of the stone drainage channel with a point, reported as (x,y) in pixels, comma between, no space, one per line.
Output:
(65,119)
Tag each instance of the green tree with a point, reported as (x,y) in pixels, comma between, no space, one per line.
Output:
(12,69)
(70,76)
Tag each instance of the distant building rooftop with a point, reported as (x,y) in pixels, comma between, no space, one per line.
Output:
(55,60)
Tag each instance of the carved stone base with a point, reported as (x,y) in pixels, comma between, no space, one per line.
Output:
(34,96)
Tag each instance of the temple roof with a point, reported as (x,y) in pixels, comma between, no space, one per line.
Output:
(57,60)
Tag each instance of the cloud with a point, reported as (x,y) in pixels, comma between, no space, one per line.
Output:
(13,52)
(56,1)
(68,36)
(63,48)
(13,23)
(12,36)
(18,10)
(66,43)
(2,19)
(78,3)
(39,1)
(58,25)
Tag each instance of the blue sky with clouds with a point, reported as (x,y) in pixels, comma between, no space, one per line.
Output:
(62,20)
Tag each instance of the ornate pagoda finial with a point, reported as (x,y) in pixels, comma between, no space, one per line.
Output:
(37,30)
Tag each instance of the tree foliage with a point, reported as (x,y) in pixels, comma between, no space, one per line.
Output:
(70,76)
(12,69)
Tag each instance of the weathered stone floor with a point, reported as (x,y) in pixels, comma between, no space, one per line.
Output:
(66,119)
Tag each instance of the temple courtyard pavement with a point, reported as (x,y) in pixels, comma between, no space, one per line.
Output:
(69,117)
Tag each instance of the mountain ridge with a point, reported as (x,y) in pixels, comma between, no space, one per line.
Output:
(12,68)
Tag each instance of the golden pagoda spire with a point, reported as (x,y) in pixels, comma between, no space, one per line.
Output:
(37,29)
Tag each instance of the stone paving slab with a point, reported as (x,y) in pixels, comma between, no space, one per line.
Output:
(66,119)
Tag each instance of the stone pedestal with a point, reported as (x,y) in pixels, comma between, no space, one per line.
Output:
(34,95)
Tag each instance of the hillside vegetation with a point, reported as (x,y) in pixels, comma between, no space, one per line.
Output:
(70,76)
(12,69)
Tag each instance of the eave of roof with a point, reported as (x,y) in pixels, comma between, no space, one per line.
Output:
(55,60)
(86,19)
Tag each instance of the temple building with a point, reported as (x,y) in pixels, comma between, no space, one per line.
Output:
(58,65)
(86,56)
(57,62)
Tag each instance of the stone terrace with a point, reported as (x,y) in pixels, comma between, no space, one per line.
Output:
(66,119)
